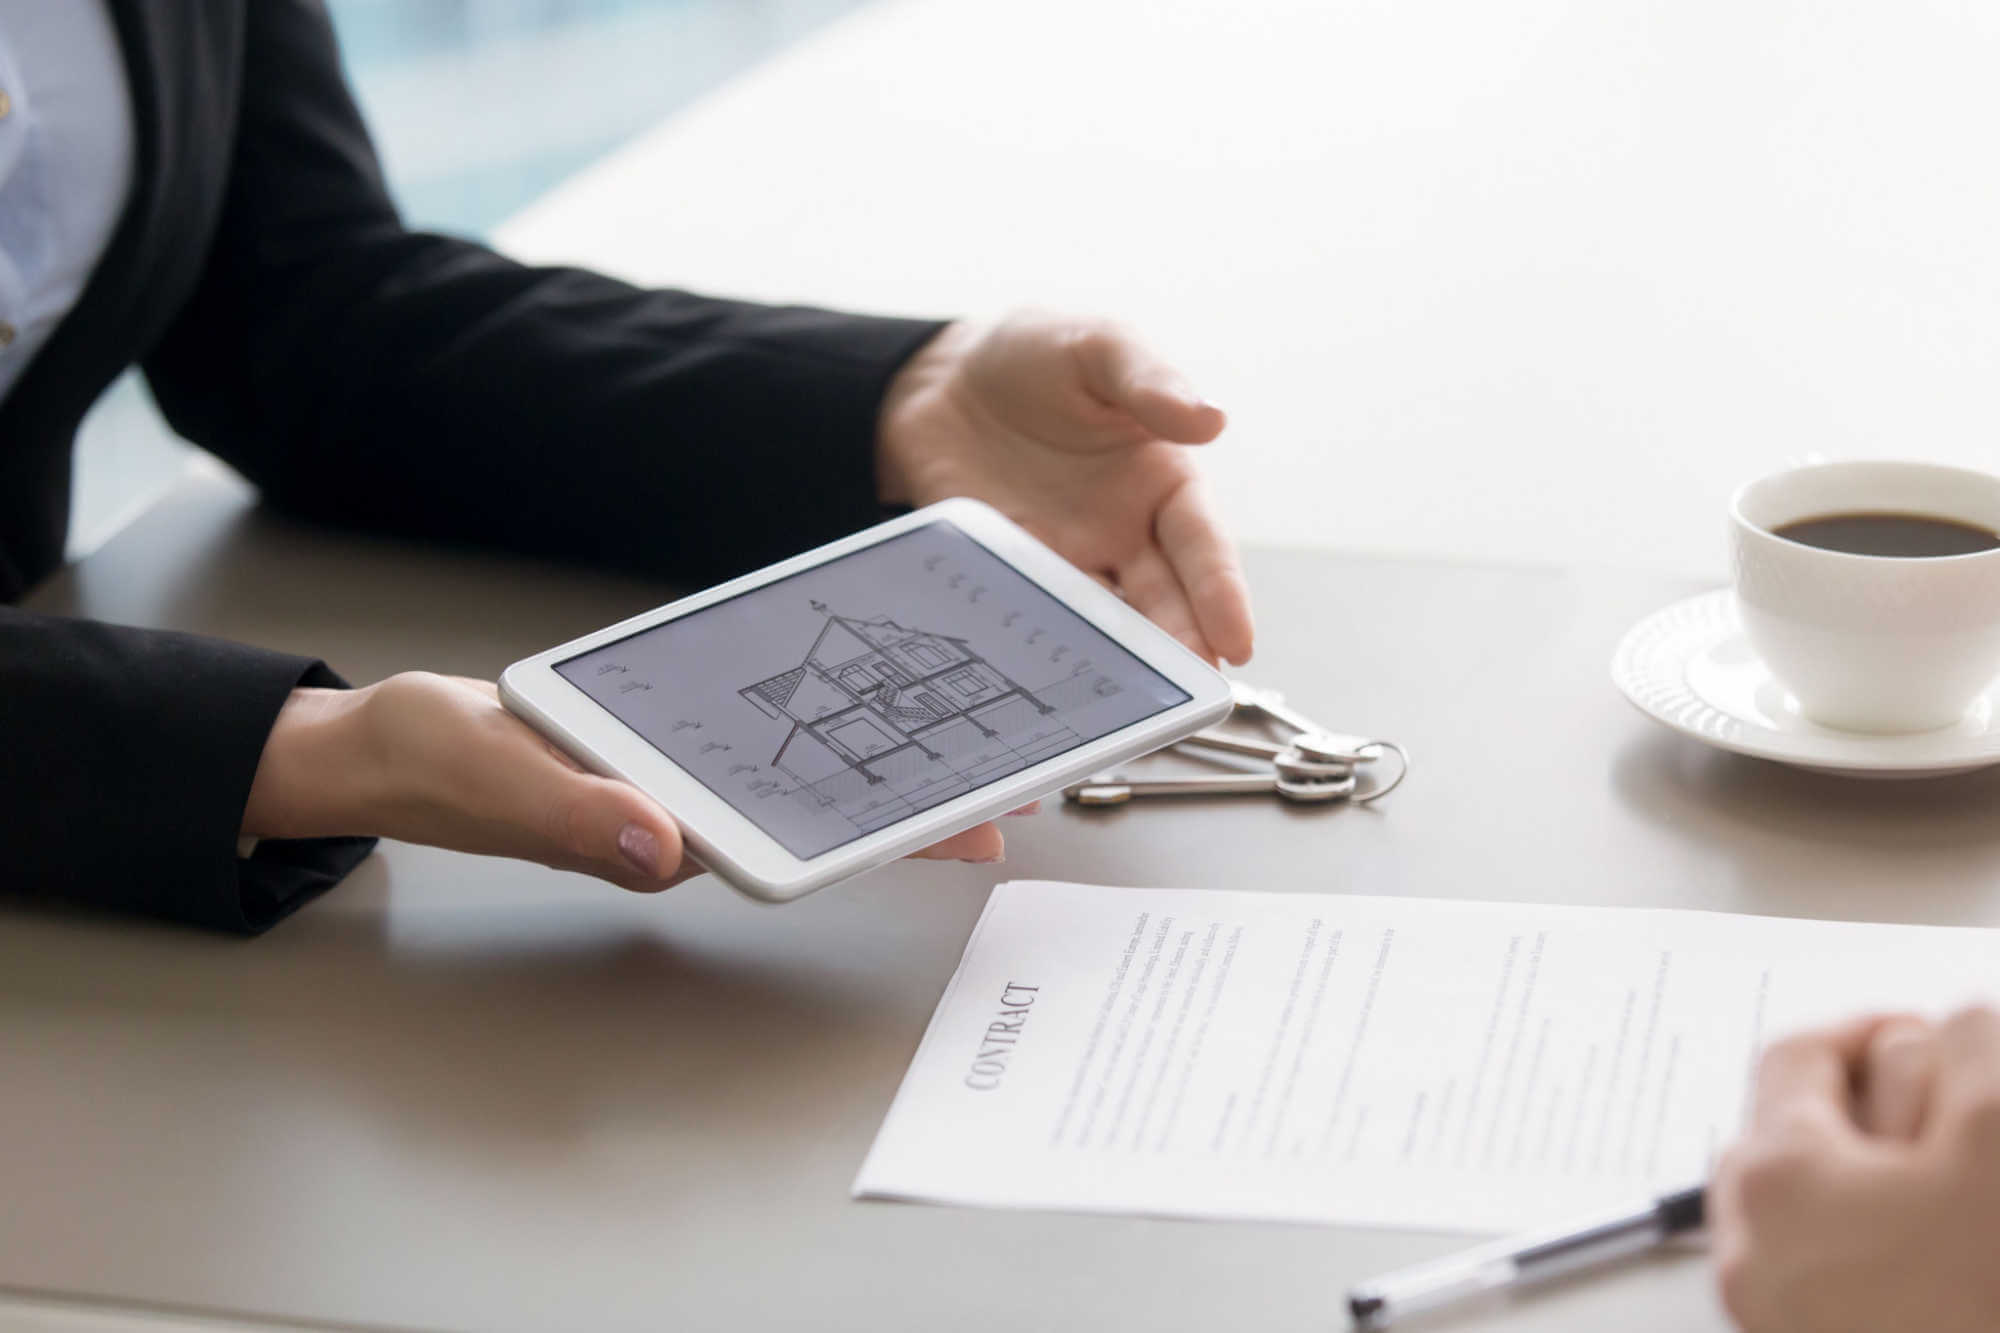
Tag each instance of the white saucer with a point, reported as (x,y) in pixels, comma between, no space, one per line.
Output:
(1690,667)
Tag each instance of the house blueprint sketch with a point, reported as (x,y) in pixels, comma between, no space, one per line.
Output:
(842,699)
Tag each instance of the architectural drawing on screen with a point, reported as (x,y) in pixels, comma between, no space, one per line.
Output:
(882,719)
(871,691)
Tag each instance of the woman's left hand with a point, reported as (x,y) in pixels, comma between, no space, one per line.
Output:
(1076,432)
(437,760)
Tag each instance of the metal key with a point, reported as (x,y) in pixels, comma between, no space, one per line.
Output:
(1270,703)
(1335,746)
(1308,746)
(1316,741)
(1296,769)
(1288,761)
(1116,789)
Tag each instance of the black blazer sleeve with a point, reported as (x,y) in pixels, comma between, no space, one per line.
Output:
(125,759)
(368,375)
(365,374)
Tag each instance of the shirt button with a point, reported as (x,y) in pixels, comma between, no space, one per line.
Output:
(6,334)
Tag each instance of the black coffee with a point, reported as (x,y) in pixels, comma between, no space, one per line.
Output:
(1911,535)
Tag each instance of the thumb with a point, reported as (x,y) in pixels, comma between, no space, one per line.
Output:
(605,827)
(1122,373)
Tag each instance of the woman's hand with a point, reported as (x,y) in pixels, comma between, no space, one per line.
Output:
(1076,432)
(436,759)
(1865,1194)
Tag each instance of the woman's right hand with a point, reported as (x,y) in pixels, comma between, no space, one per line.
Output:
(436,759)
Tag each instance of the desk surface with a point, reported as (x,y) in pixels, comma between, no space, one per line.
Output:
(1531,281)
(469,1093)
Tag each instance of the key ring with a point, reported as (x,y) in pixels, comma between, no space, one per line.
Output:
(1402,771)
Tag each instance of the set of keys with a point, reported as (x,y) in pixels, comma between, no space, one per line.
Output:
(1311,766)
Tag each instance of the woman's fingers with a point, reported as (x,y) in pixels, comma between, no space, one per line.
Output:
(1204,560)
(1121,373)
(1151,586)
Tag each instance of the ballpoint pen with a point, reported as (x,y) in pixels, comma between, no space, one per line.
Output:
(1522,1260)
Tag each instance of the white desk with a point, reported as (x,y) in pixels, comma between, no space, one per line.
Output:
(1524,281)
(474,1094)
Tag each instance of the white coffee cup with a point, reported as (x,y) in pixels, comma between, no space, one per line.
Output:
(1867,642)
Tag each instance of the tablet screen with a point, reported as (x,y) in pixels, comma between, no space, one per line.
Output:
(841,699)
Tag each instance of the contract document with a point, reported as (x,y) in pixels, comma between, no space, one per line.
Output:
(1442,1065)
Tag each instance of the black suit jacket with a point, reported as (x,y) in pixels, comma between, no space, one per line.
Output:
(364,374)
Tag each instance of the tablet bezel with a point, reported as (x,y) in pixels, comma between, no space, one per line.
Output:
(731,845)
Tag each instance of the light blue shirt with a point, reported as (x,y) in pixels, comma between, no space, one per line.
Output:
(65,164)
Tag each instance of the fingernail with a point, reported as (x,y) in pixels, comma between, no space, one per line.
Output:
(638,846)
(984,860)
(1210,403)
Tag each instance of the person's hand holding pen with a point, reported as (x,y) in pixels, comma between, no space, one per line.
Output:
(1865,1193)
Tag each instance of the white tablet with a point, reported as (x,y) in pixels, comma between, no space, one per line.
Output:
(856,703)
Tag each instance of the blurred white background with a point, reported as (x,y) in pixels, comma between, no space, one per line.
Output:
(1527,281)
(1537,280)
